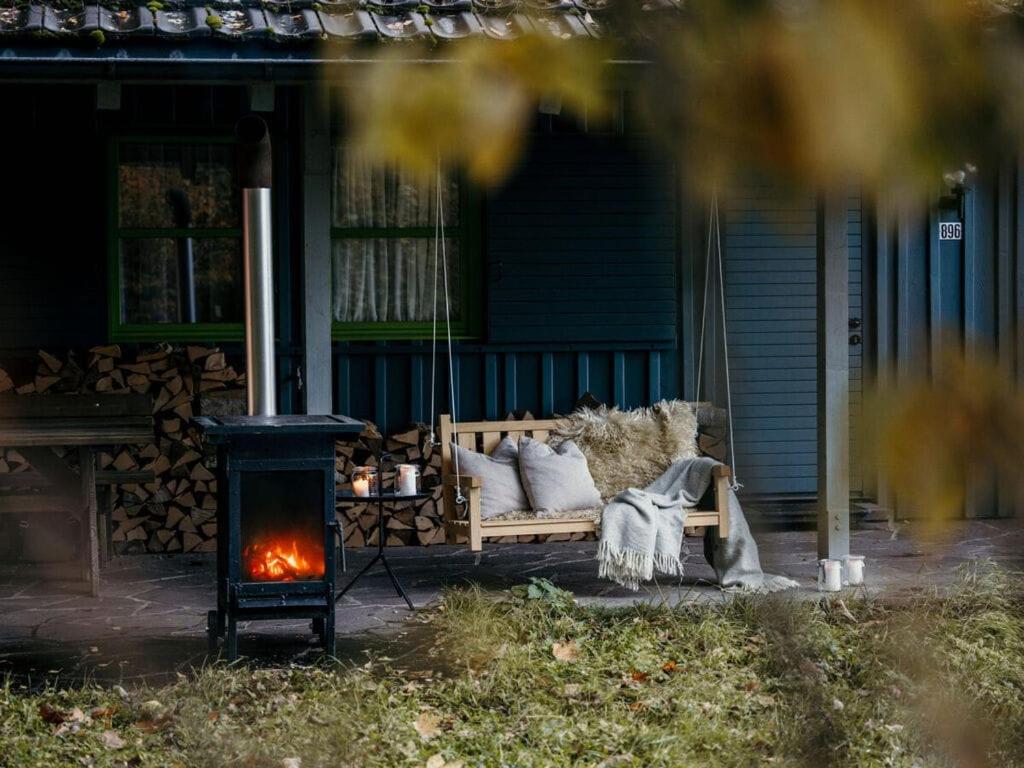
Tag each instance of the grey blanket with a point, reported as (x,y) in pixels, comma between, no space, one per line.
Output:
(642,532)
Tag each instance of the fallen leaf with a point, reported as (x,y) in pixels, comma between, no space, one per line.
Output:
(640,677)
(565,651)
(436,761)
(427,725)
(103,713)
(112,740)
(572,689)
(838,705)
(669,666)
(52,714)
(291,762)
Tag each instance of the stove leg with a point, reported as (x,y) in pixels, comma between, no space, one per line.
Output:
(231,639)
(214,629)
(328,635)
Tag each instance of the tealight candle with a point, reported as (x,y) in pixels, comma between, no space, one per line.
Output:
(830,575)
(854,572)
(364,481)
(407,479)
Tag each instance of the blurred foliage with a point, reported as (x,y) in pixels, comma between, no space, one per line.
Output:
(470,105)
(817,92)
(933,433)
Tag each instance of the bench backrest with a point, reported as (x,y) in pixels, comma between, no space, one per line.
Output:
(483,436)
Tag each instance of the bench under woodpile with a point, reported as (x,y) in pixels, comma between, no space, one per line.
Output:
(35,424)
(485,435)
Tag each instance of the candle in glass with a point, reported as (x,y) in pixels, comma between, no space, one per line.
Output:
(407,479)
(361,486)
(854,570)
(830,575)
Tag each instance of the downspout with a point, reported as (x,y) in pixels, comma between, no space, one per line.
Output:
(254,164)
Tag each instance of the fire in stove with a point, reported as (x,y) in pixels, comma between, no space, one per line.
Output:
(283,560)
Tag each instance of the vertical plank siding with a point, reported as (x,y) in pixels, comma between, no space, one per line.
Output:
(937,297)
(375,382)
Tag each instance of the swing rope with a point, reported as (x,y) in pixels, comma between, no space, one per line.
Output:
(441,258)
(715,230)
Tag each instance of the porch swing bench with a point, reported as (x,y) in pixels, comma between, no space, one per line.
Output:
(484,436)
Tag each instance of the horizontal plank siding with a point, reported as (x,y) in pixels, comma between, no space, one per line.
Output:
(581,247)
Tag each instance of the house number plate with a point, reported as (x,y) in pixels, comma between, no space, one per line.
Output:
(951,230)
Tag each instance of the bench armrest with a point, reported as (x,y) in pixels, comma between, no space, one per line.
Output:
(722,470)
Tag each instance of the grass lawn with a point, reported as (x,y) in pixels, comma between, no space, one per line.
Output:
(531,679)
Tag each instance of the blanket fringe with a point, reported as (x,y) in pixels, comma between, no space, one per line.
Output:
(629,567)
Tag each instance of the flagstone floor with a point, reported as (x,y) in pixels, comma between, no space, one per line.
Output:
(149,621)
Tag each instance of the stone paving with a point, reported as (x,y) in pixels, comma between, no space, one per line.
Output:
(149,621)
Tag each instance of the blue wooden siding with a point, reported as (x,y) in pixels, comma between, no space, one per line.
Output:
(932,297)
(390,384)
(582,245)
(770,241)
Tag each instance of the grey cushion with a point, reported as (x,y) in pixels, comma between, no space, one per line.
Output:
(556,481)
(502,490)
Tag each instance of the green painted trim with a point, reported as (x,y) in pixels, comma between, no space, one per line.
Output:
(468,233)
(126,233)
(118,330)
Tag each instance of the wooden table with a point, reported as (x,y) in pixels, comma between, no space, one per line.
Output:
(35,423)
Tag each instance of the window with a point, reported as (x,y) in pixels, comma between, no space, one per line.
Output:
(175,241)
(382,254)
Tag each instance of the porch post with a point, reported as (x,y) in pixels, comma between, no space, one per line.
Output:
(316,252)
(833,377)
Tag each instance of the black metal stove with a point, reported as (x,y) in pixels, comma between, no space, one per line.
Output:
(275,521)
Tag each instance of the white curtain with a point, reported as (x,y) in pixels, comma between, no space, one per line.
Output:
(386,279)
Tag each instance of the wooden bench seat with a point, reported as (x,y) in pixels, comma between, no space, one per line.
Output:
(485,436)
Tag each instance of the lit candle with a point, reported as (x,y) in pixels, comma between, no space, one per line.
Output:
(407,479)
(830,575)
(854,575)
(361,486)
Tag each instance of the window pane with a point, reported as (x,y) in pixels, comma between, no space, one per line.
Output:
(177,185)
(391,280)
(366,196)
(155,279)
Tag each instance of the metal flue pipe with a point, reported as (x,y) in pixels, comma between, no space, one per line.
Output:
(254,165)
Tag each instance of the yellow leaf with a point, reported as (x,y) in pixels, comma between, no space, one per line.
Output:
(568,651)
(427,725)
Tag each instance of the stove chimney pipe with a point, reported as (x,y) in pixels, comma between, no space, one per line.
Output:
(254,163)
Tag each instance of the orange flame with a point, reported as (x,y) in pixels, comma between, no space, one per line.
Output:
(280,560)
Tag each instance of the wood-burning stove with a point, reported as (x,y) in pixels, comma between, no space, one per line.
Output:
(275,521)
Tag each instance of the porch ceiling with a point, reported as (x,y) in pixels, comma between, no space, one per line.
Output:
(293,33)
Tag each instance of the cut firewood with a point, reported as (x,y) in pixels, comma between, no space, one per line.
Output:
(201,473)
(191,541)
(6,383)
(159,465)
(215,362)
(52,363)
(125,462)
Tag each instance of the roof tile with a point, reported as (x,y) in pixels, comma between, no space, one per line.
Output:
(300,25)
(454,26)
(351,25)
(188,22)
(24,19)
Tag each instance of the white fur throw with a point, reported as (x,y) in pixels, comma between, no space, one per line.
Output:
(630,449)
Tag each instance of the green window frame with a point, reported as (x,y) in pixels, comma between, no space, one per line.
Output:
(466,233)
(119,330)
